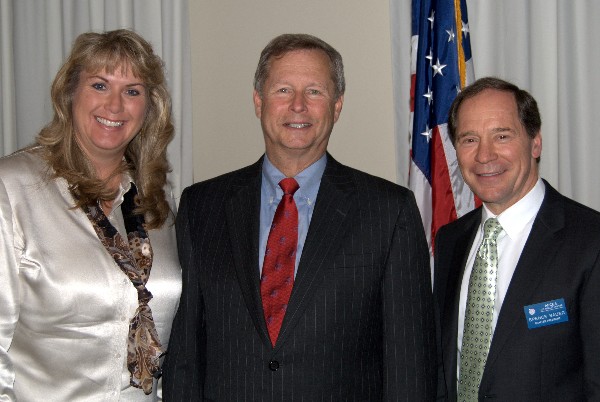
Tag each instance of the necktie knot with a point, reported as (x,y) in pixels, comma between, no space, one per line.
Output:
(289,185)
(491,229)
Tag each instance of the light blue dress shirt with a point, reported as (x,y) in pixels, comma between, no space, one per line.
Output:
(305,197)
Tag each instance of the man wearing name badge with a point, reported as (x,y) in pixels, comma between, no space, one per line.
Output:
(304,279)
(517,281)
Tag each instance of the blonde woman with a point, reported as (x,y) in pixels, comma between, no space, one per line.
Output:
(89,275)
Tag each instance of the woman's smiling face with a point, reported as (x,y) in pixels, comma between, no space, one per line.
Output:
(108,112)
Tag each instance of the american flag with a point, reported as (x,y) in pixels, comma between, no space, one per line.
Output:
(441,67)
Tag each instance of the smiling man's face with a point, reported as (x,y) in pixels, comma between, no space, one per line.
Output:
(496,156)
(297,107)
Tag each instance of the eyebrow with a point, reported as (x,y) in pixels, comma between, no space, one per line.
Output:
(501,129)
(494,130)
(95,76)
(288,83)
(464,134)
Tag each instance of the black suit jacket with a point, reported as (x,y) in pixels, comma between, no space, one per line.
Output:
(359,324)
(561,259)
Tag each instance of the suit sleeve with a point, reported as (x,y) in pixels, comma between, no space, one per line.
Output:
(184,368)
(590,328)
(441,375)
(409,329)
(9,296)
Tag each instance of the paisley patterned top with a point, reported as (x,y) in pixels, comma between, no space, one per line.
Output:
(134,257)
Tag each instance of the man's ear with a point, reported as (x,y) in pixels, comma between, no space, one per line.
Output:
(338,108)
(536,146)
(257,103)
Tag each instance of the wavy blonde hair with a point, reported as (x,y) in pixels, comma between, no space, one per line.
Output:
(145,156)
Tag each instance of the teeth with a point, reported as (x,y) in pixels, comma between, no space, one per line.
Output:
(299,125)
(109,123)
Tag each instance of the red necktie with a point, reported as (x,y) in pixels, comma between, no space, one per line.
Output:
(280,259)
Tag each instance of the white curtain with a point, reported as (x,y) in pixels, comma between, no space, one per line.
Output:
(35,37)
(548,47)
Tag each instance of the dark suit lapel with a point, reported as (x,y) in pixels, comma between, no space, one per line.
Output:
(243,211)
(463,243)
(537,254)
(327,226)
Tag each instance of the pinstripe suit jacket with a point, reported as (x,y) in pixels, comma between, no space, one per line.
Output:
(359,324)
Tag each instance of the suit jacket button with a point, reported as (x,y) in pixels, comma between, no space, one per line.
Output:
(273,365)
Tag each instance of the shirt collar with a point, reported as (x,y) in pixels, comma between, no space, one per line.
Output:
(308,179)
(515,218)
(124,187)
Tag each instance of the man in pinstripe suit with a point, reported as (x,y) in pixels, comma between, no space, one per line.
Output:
(358,325)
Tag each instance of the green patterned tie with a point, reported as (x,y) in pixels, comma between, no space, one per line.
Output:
(481,296)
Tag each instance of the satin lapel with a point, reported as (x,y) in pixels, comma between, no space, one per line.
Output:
(456,267)
(242,212)
(537,254)
(327,227)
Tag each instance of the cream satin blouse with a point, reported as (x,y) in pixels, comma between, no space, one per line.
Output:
(65,305)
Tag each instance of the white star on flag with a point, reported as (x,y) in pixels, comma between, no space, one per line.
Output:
(437,68)
(427,133)
(429,96)
(465,29)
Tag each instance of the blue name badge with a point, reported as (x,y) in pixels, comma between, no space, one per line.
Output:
(546,313)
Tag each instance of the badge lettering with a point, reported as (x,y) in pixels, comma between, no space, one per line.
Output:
(546,313)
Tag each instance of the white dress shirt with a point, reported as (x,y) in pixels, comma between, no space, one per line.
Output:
(65,305)
(516,222)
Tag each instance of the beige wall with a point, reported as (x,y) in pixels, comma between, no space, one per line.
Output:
(226,39)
